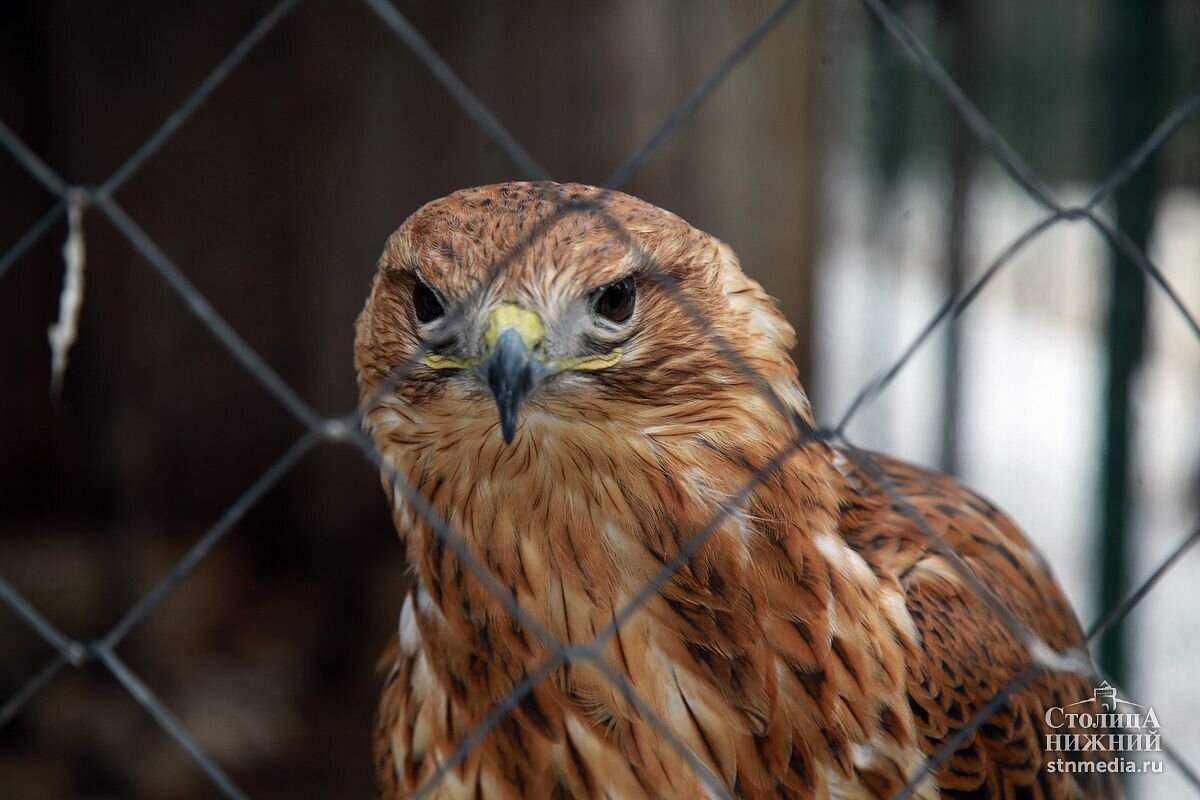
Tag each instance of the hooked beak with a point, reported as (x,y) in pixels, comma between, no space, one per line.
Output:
(509,365)
(511,373)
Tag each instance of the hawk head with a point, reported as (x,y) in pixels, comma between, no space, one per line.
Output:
(575,382)
(535,311)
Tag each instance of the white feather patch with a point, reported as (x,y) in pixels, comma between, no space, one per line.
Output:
(410,634)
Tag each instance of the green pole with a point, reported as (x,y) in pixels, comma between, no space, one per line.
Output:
(958,34)
(1134,48)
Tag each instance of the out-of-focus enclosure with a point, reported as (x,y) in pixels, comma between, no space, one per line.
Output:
(851,188)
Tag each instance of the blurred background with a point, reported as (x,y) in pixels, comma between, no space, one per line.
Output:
(1067,393)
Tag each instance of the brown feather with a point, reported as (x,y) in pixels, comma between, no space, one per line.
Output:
(815,645)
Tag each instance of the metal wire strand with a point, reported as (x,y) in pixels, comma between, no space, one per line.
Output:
(169,723)
(236,55)
(462,94)
(688,106)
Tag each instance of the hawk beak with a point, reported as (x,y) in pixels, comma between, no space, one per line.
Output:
(509,364)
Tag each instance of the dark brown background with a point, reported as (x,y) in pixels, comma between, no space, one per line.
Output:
(275,200)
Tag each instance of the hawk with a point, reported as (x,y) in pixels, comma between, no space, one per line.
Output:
(578,382)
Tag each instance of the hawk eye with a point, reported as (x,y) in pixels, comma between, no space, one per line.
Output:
(615,301)
(426,305)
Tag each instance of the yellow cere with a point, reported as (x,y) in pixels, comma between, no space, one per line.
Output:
(510,315)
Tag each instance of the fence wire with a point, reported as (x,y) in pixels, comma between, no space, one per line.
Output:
(347,428)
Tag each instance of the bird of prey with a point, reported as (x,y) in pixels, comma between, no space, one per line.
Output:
(576,383)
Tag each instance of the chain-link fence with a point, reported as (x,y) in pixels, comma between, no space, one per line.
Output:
(72,201)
